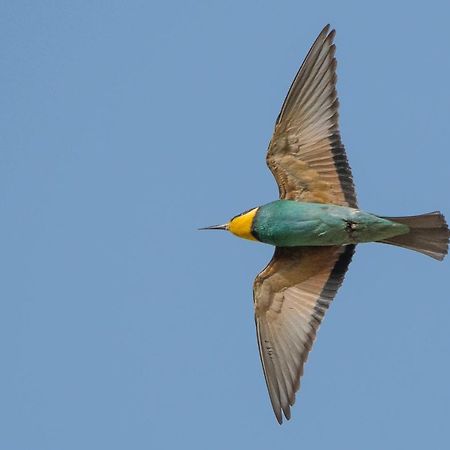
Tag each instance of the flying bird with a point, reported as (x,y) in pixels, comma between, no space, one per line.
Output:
(314,226)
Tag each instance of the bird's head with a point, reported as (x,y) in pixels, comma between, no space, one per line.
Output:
(240,225)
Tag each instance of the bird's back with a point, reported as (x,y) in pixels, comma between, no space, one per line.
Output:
(288,223)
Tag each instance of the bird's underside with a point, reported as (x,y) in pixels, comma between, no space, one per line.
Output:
(308,161)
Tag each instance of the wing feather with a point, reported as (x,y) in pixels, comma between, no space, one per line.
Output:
(306,155)
(291,296)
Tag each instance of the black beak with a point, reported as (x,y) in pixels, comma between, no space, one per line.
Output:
(216,227)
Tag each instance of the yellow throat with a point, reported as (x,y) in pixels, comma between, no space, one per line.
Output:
(241,225)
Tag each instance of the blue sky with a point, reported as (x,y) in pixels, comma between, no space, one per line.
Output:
(127,125)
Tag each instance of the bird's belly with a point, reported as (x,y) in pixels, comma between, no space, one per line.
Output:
(286,223)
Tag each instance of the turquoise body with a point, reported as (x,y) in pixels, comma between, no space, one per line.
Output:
(288,223)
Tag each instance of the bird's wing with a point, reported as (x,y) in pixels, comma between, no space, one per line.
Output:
(306,155)
(291,296)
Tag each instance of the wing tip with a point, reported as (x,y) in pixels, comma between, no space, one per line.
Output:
(328,31)
(279,415)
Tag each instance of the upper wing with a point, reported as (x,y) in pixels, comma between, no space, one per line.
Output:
(306,155)
(291,296)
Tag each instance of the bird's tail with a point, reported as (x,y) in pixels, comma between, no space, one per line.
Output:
(429,234)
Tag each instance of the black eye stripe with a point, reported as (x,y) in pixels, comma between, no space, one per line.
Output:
(242,214)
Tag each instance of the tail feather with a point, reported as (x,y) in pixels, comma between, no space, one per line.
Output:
(429,234)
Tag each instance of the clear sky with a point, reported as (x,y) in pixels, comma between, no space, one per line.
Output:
(127,125)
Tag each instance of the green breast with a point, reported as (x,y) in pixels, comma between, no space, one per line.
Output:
(288,223)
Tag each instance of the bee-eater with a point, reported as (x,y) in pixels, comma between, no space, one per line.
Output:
(315,225)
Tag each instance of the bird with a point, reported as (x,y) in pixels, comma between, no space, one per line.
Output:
(315,225)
